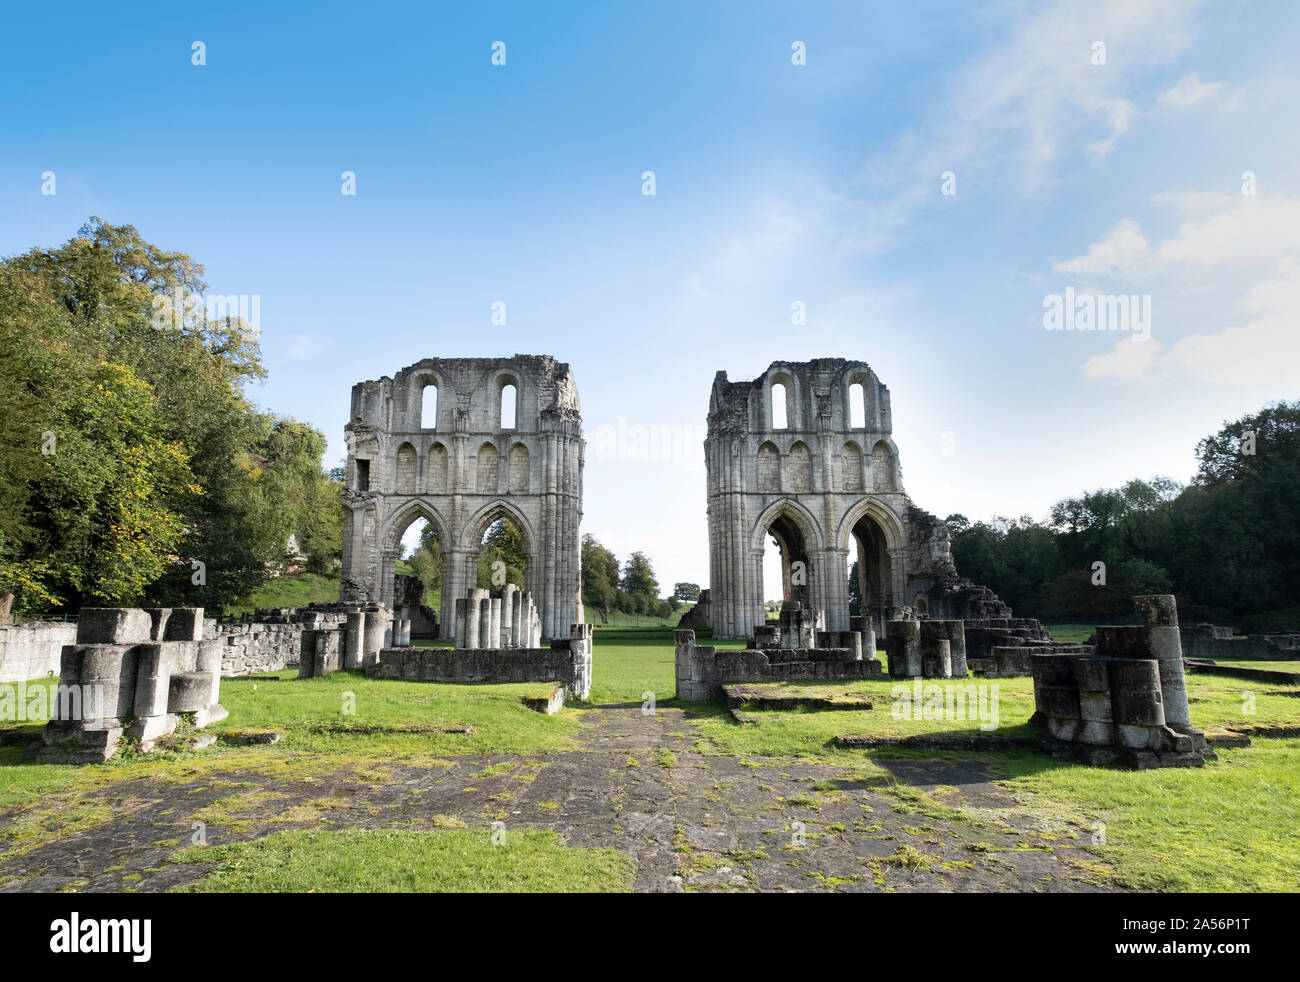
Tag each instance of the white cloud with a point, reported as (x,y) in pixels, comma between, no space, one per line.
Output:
(1126,362)
(1264,351)
(1225,233)
(1020,112)
(1122,250)
(1247,229)
(1190,91)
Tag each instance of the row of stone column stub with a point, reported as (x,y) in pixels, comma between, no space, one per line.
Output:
(509,620)
(927,648)
(369,626)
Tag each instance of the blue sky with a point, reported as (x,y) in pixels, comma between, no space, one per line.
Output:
(775,183)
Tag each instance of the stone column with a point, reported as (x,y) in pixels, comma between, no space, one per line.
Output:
(954,632)
(903,645)
(354,640)
(469,610)
(1160,617)
(516,608)
(494,622)
(484,622)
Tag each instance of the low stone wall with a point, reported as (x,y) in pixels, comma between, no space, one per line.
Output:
(566,660)
(31,651)
(287,637)
(703,670)
(1008,662)
(1208,641)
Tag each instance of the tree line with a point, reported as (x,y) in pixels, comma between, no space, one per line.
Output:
(1227,544)
(133,467)
(631,588)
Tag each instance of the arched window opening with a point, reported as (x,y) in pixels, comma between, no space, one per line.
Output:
(779,420)
(857,406)
(508,397)
(429,407)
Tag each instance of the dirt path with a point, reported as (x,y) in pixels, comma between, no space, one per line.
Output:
(637,784)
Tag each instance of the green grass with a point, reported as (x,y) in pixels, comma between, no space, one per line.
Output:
(393,720)
(1232,825)
(618,619)
(1264,663)
(402,861)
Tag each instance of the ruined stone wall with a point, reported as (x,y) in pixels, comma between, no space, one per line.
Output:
(132,672)
(567,660)
(1208,641)
(826,489)
(702,670)
(464,469)
(31,651)
(281,637)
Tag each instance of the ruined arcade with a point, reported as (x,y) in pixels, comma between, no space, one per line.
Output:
(804,453)
(433,442)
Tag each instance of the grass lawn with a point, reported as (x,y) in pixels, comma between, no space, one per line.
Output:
(1232,825)
(403,861)
(1261,663)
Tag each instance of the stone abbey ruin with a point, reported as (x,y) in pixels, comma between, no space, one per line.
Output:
(803,454)
(433,443)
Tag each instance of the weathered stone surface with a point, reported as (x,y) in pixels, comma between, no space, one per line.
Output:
(1112,706)
(462,470)
(825,483)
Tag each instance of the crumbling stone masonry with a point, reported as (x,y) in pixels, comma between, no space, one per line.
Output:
(566,660)
(818,471)
(796,647)
(1209,641)
(1126,703)
(131,672)
(348,636)
(450,457)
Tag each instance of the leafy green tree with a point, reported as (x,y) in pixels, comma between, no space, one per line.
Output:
(639,581)
(689,592)
(504,543)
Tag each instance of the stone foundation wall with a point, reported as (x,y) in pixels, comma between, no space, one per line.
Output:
(1208,641)
(566,660)
(702,670)
(31,651)
(283,637)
